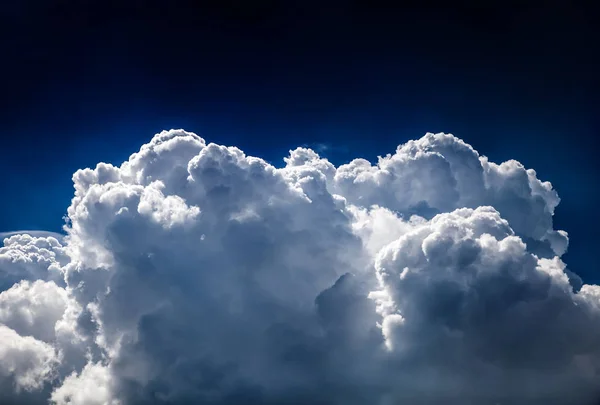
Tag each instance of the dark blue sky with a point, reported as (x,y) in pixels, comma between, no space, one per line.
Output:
(89,81)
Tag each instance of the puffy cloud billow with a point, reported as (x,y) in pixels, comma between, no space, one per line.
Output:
(195,274)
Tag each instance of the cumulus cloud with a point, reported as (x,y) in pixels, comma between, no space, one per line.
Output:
(477,315)
(26,257)
(28,363)
(33,308)
(33,233)
(440,173)
(91,387)
(193,273)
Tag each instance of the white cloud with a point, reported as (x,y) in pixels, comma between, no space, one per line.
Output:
(248,261)
(91,387)
(194,273)
(26,257)
(33,308)
(439,173)
(478,316)
(24,360)
(33,233)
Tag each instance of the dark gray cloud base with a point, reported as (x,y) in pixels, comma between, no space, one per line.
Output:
(195,274)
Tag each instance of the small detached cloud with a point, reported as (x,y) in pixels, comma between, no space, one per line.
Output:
(194,273)
(33,233)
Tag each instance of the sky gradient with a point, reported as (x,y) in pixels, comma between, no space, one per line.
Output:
(91,81)
(236,248)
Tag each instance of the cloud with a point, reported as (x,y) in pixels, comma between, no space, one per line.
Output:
(440,173)
(194,273)
(33,233)
(480,318)
(26,362)
(91,387)
(33,308)
(26,257)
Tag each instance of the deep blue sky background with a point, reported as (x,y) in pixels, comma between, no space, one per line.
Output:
(90,81)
